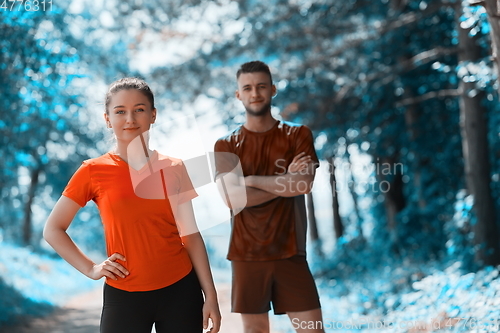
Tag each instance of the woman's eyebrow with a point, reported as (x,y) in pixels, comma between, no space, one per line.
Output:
(121,106)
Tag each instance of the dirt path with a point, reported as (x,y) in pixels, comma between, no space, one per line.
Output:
(82,314)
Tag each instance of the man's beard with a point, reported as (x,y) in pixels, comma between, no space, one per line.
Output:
(261,112)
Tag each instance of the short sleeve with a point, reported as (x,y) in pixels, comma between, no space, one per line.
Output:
(186,188)
(305,143)
(225,160)
(79,188)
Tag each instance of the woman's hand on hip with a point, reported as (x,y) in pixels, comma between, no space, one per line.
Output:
(109,268)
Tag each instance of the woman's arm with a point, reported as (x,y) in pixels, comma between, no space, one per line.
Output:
(55,234)
(194,245)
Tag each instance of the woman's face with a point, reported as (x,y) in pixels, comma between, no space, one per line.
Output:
(129,114)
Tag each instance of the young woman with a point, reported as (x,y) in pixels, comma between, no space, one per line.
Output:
(157,266)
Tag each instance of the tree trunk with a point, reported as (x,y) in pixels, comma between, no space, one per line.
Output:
(474,130)
(390,206)
(493,10)
(27,229)
(391,185)
(411,119)
(313,226)
(311,217)
(354,195)
(337,221)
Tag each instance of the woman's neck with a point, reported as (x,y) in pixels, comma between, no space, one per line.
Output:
(137,149)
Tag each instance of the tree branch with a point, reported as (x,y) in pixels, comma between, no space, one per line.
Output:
(390,72)
(373,32)
(429,95)
(474,3)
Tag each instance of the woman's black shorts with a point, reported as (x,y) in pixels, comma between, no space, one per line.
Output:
(173,309)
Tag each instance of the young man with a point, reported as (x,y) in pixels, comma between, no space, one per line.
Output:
(267,246)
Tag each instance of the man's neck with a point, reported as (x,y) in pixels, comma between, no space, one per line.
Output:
(260,124)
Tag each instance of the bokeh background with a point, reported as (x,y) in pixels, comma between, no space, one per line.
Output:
(401,95)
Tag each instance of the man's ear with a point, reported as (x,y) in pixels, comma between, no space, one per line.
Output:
(273,89)
(237,94)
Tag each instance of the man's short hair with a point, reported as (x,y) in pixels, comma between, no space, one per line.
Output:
(254,67)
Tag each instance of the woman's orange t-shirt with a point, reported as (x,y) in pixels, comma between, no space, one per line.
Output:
(138,224)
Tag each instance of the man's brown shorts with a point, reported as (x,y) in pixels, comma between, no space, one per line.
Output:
(287,283)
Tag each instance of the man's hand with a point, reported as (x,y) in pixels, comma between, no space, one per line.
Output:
(299,163)
(298,179)
(237,195)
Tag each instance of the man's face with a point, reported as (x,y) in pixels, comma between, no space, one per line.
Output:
(255,91)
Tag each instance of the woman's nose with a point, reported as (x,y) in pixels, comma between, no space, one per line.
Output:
(130,118)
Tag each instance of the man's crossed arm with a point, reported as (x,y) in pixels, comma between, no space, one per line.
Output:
(254,190)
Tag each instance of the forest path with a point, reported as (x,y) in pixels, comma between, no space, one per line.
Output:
(82,315)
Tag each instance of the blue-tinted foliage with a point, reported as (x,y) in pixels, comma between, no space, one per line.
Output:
(387,70)
(382,72)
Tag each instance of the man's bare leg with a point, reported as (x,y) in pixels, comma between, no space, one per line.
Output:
(255,323)
(310,321)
